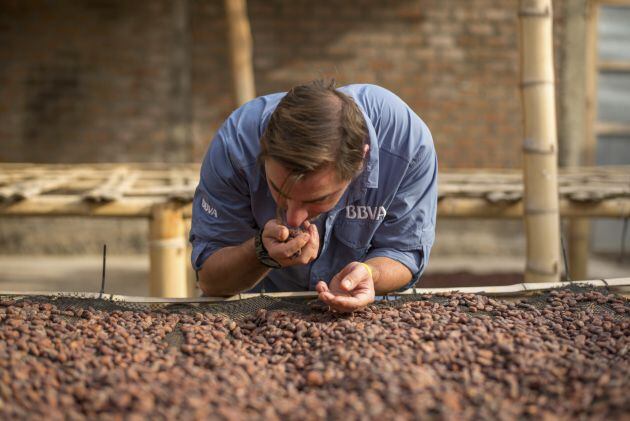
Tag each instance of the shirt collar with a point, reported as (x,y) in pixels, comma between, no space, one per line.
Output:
(372,165)
(368,179)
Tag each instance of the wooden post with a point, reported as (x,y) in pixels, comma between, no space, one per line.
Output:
(179,147)
(572,102)
(572,133)
(167,251)
(240,51)
(542,222)
(580,228)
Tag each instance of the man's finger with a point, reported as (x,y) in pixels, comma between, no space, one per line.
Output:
(352,279)
(327,297)
(321,287)
(276,232)
(345,304)
(289,248)
(337,277)
(312,247)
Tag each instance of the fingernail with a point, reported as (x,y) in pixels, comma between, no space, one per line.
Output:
(347,283)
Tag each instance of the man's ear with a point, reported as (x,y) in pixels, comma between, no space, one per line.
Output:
(366,149)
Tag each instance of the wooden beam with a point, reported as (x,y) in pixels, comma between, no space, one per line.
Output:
(454,207)
(114,188)
(611,2)
(26,189)
(451,207)
(612,129)
(240,37)
(613,66)
(56,205)
(573,90)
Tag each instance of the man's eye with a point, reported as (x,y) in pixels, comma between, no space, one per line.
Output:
(322,200)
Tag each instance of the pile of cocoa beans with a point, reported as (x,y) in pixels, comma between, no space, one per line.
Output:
(462,357)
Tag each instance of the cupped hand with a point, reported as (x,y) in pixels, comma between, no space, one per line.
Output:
(290,250)
(350,290)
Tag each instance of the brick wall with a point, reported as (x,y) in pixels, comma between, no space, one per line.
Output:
(93,81)
(454,62)
(86,81)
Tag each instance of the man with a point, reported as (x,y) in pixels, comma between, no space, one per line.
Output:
(321,189)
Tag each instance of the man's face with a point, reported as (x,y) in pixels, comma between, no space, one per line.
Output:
(306,198)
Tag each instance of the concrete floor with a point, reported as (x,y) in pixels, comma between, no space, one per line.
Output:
(128,275)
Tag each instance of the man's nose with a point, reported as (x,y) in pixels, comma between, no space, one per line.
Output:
(296,214)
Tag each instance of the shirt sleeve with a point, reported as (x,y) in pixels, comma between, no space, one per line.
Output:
(221,210)
(408,230)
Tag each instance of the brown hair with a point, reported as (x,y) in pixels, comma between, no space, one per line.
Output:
(315,125)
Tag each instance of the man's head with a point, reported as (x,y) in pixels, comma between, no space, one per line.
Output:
(312,148)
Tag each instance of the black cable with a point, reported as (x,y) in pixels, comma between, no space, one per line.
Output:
(567,274)
(103,276)
(624,231)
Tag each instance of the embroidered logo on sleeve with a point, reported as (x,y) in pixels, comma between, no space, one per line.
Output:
(374,213)
(208,208)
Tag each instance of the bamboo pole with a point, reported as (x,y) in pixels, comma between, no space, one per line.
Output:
(541,207)
(240,51)
(167,252)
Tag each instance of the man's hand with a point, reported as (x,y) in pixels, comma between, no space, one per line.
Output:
(350,290)
(299,250)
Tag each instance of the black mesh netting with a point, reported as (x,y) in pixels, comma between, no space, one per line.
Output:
(558,354)
(239,309)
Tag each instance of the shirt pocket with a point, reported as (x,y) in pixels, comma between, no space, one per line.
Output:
(356,234)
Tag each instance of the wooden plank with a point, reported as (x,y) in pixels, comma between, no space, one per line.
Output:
(30,188)
(452,207)
(612,129)
(114,188)
(456,207)
(53,205)
(613,66)
(183,194)
(612,2)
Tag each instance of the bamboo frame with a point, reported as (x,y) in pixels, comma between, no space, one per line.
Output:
(541,209)
(133,190)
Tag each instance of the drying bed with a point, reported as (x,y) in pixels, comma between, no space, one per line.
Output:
(562,354)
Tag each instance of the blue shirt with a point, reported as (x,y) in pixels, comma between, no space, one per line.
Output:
(388,210)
